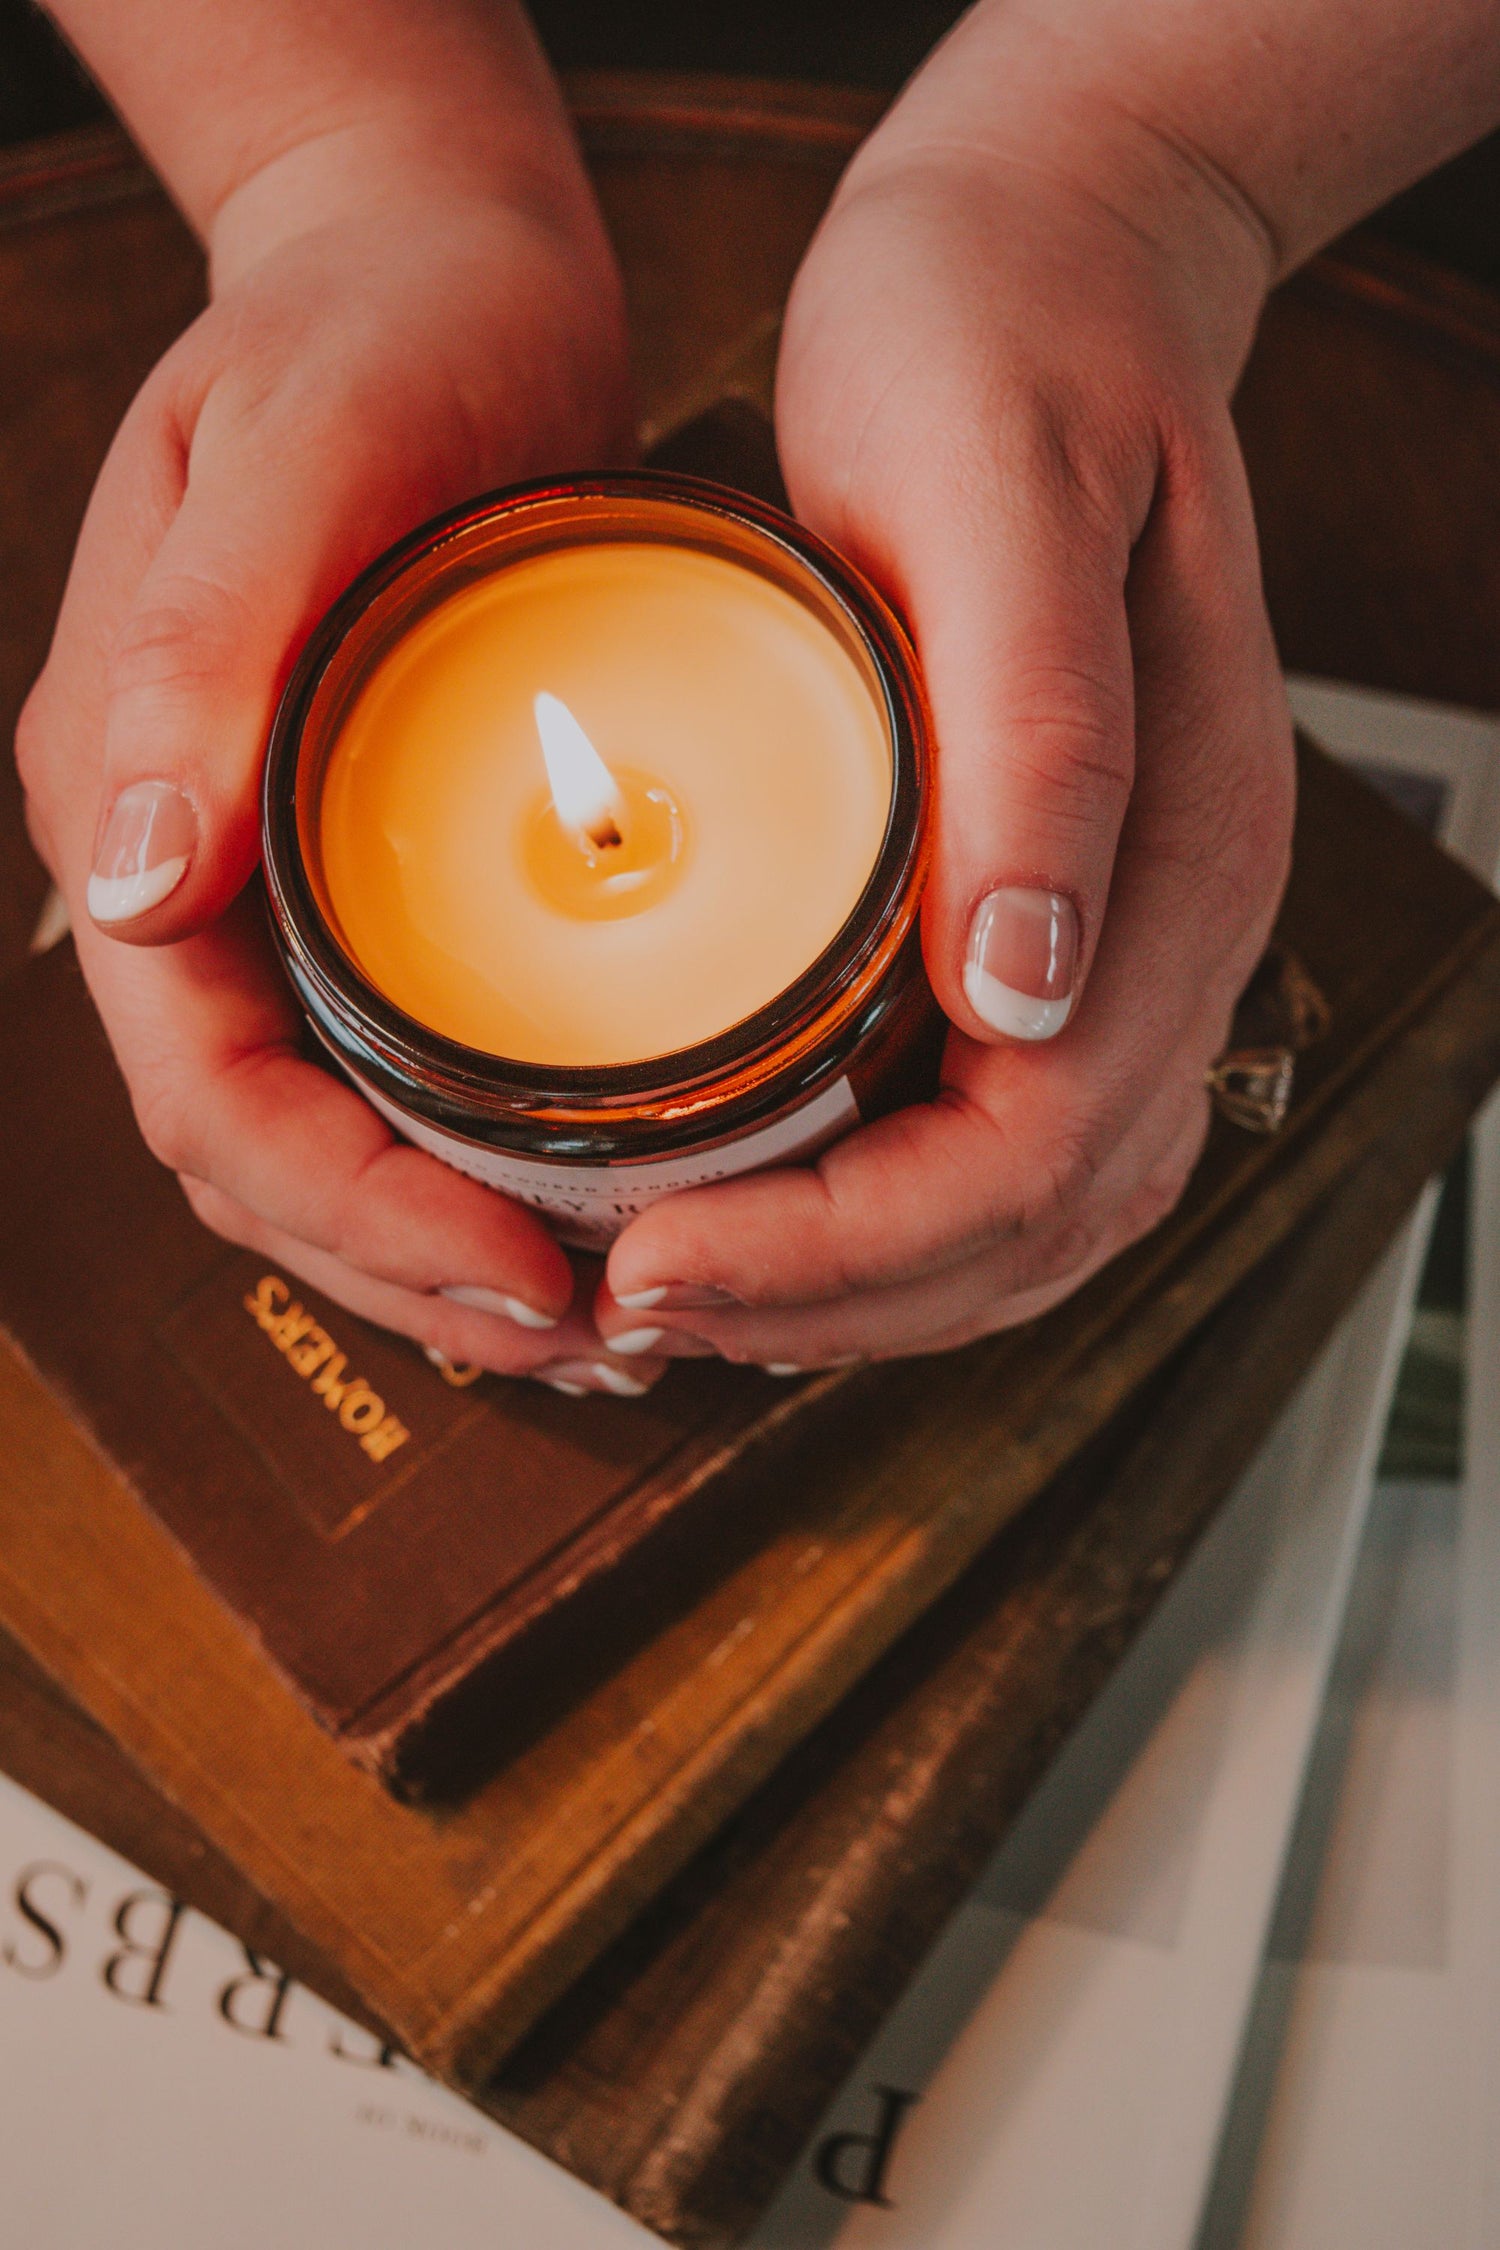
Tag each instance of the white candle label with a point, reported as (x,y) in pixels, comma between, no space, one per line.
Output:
(592,1203)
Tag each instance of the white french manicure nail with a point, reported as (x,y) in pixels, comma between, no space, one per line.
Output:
(52,924)
(615,1379)
(642,1300)
(634,1340)
(782,1367)
(1022,962)
(509,1308)
(559,1383)
(145,844)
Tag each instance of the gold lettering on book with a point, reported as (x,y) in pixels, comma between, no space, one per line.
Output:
(312,1352)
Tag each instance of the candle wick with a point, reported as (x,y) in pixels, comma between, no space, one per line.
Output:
(605,836)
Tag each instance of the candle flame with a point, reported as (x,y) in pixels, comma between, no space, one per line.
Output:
(584,791)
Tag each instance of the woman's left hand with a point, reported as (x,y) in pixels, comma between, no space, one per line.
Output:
(1003,392)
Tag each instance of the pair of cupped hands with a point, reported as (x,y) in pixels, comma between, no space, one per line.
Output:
(1003,393)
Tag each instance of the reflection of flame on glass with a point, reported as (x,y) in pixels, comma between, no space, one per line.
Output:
(584,791)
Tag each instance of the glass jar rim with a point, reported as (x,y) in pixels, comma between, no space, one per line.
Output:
(801,1033)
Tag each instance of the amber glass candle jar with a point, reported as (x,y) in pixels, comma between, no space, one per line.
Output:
(716,969)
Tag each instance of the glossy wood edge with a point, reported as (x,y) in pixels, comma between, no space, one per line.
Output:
(649,113)
(1431,308)
(71,171)
(617,113)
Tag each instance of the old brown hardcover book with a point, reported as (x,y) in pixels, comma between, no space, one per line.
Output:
(162,1448)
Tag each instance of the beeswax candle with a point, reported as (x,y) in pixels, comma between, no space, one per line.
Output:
(595,827)
(752,762)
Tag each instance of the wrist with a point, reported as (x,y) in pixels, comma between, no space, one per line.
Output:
(1096,183)
(395,164)
(1240,135)
(266,118)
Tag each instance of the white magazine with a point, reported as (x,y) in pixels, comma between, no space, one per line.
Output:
(1076,2032)
(1368,2106)
(1072,2041)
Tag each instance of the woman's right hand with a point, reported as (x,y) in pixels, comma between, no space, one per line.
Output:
(356,372)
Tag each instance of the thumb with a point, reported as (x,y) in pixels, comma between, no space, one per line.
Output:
(275,516)
(1021,620)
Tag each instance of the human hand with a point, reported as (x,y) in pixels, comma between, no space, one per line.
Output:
(372,355)
(1003,392)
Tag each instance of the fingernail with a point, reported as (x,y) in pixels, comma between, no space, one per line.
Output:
(634,1340)
(1022,962)
(580,1376)
(509,1308)
(615,1379)
(52,924)
(145,843)
(677,1296)
(781,1367)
